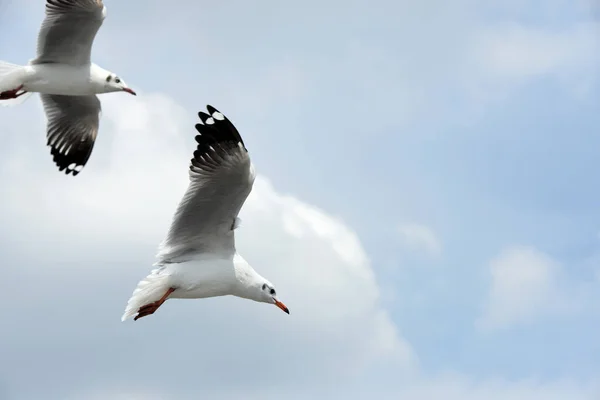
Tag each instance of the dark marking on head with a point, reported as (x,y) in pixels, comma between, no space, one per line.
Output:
(108,78)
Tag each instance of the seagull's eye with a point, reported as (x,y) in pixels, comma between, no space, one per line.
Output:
(273,291)
(264,286)
(117,80)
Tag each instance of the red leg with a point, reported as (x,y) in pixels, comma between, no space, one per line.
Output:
(12,94)
(151,308)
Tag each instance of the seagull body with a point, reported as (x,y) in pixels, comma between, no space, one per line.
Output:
(198,258)
(66,79)
(59,79)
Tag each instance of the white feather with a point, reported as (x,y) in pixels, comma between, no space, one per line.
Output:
(11,77)
(148,290)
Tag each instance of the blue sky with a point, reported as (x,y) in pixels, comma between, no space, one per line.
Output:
(426,204)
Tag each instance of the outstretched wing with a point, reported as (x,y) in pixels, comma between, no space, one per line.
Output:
(68,31)
(72,129)
(221,178)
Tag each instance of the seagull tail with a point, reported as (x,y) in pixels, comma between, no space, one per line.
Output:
(7,68)
(10,78)
(148,290)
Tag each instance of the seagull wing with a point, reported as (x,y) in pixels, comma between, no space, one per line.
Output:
(68,31)
(221,178)
(72,129)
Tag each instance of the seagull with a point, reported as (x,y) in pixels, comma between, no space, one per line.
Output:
(66,79)
(198,259)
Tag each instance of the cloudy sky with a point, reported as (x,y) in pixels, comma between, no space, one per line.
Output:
(427,204)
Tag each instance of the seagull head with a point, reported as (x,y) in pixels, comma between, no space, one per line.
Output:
(115,84)
(269,295)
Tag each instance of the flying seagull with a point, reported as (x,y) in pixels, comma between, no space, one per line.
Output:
(198,258)
(66,79)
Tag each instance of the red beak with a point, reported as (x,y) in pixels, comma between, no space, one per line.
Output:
(130,91)
(282,306)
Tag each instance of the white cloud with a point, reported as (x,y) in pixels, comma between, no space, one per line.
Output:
(122,204)
(517,52)
(337,326)
(103,226)
(460,387)
(118,394)
(322,269)
(501,58)
(448,386)
(420,238)
(524,285)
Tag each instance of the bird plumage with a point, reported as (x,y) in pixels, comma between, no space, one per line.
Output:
(198,258)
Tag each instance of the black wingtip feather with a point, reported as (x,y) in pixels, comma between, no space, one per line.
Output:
(218,133)
(203,116)
(77,156)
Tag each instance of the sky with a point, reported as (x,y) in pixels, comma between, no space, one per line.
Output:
(426,204)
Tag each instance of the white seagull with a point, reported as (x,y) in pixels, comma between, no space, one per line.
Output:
(198,258)
(66,79)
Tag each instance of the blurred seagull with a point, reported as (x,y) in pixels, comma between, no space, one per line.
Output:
(198,258)
(66,79)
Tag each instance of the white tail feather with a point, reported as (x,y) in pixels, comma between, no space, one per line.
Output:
(6,67)
(11,77)
(148,290)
